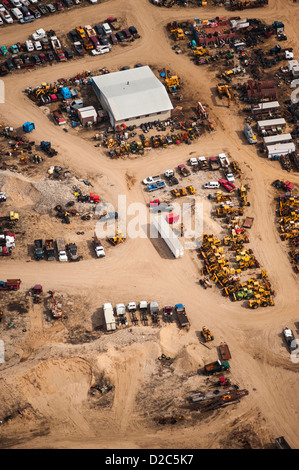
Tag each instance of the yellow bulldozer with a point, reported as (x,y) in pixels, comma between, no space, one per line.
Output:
(172,82)
(223,90)
(117,239)
(191,189)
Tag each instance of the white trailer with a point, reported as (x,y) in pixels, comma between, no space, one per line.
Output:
(169,237)
(279,150)
(109,317)
(277,139)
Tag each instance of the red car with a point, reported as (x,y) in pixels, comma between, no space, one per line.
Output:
(59,6)
(155,203)
(227,185)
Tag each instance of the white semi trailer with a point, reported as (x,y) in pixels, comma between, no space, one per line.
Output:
(169,237)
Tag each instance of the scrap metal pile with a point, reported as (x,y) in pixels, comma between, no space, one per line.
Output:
(118,146)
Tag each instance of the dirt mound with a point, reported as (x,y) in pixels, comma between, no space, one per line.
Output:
(20,191)
(56,387)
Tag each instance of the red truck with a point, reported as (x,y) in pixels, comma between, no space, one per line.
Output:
(227,185)
(184,170)
(10,284)
(58,117)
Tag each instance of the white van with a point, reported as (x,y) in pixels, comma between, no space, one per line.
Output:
(106,28)
(16,12)
(211,185)
(29,46)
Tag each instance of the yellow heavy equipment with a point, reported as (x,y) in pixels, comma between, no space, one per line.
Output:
(223,89)
(183,192)
(117,239)
(172,82)
(261,301)
(191,189)
(227,210)
(243,196)
(220,197)
(178,34)
(201,51)
(206,334)
(175,192)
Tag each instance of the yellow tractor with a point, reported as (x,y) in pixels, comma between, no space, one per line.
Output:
(175,192)
(172,82)
(178,34)
(206,334)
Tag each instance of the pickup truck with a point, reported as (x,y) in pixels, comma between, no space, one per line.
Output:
(217,366)
(98,248)
(90,31)
(184,170)
(152,179)
(79,48)
(203,163)
(181,316)
(227,185)
(72,251)
(224,161)
(58,117)
(154,187)
(38,249)
(61,55)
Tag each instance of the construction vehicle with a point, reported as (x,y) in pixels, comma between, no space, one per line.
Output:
(117,239)
(227,210)
(12,218)
(10,284)
(217,366)
(223,90)
(191,189)
(261,301)
(201,51)
(38,249)
(178,34)
(183,192)
(206,334)
(290,339)
(56,308)
(182,316)
(49,248)
(172,82)
(243,196)
(202,111)
(175,192)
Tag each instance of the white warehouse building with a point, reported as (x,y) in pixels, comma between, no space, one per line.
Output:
(132,96)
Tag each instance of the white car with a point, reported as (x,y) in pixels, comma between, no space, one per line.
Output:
(212,185)
(39,33)
(29,46)
(6,16)
(16,12)
(168,173)
(16,3)
(230,177)
(103,50)
(25,3)
(38,46)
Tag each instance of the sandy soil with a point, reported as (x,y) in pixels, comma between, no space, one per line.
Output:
(50,378)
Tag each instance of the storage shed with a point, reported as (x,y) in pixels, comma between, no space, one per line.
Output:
(279,150)
(271,124)
(277,139)
(87,114)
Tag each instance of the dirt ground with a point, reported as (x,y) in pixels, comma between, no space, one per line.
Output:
(47,400)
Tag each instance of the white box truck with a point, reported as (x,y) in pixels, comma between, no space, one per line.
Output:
(109,317)
(169,236)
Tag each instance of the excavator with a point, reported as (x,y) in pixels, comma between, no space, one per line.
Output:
(223,89)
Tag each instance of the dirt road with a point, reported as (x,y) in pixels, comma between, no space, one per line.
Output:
(136,270)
